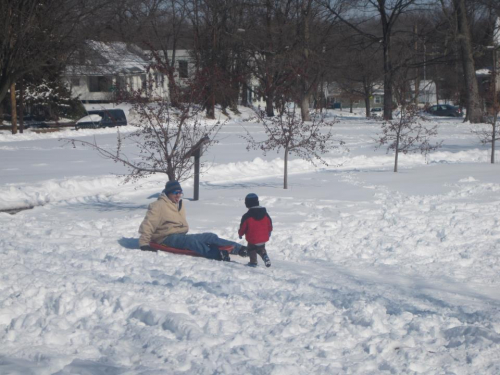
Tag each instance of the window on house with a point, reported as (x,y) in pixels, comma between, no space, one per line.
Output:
(121,83)
(144,82)
(183,69)
(75,81)
(159,79)
(99,84)
(377,99)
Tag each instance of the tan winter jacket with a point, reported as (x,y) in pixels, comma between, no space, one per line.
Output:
(162,219)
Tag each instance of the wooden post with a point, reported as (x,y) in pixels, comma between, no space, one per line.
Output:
(196,193)
(196,153)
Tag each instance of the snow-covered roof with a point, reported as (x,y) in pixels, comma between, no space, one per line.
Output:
(483,72)
(101,58)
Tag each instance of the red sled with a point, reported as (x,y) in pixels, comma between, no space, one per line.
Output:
(192,253)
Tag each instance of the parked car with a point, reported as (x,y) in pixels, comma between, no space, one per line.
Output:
(102,118)
(376,111)
(29,121)
(445,110)
(33,124)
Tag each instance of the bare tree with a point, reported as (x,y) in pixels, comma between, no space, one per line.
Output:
(40,33)
(164,138)
(407,134)
(389,13)
(474,110)
(212,52)
(290,133)
(165,31)
(493,134)
(268,42)
(310,59)
(360,69)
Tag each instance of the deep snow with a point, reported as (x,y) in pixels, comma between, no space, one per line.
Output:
(373,271)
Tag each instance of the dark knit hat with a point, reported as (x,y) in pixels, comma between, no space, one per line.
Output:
(251,200)
(172,186)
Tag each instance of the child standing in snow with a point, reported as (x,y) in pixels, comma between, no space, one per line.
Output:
(257,226)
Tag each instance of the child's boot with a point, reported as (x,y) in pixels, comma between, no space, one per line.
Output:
(266,260)
(253,258)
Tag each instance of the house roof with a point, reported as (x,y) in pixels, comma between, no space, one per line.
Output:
(113,58)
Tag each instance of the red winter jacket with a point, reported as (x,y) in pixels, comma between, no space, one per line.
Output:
(256,225)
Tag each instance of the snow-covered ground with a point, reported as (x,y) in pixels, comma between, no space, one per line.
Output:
(373,272)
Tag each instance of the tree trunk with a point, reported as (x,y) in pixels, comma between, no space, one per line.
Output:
(474,110)
(304,108)
(305,94)
(493,138)
(285,176)
(417,72)
(172,90)
(13,111)
(269,105)
(4,87)
(437,92)
(367,99)
(21,107)
(396,154)
(211,103)
(244,95)
(387,74)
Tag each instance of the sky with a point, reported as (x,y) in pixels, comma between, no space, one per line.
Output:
(373,272)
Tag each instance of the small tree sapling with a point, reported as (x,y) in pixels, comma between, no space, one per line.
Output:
(288,132)
(407,134)
(164,137)
(490,135)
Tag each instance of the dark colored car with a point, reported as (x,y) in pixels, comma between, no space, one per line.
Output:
(29,121)
(445,110)
(102,118)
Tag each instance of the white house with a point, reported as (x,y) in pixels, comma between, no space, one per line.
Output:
(426,93)
(103,68)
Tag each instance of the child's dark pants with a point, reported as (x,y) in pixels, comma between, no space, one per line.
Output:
(253,250)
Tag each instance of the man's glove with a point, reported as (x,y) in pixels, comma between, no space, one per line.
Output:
(147,248)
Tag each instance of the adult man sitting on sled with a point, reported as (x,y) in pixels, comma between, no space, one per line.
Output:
(165,223)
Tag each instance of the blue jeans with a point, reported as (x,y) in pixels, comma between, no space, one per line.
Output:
(205,244)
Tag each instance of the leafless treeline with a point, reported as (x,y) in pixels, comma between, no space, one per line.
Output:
(290,47)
